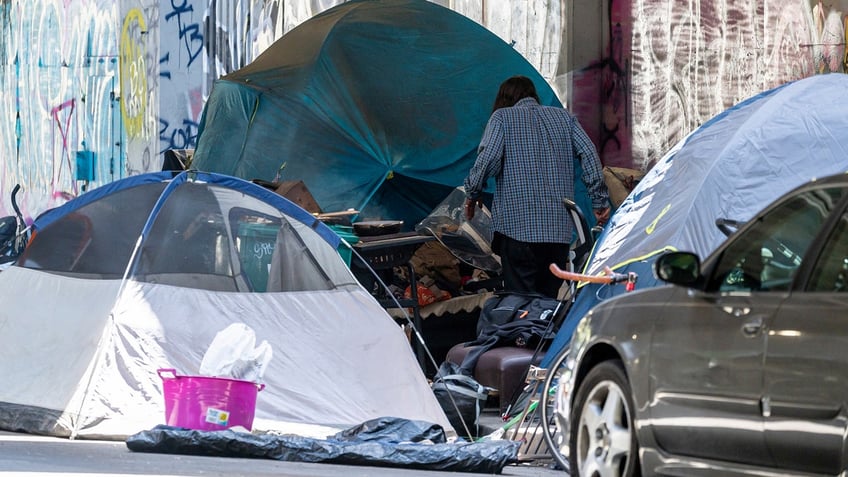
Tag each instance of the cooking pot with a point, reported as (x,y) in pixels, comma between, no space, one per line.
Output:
(377,227)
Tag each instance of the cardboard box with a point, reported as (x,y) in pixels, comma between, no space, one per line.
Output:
(297,192)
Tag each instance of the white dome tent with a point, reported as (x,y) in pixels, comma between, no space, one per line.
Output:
(142,273)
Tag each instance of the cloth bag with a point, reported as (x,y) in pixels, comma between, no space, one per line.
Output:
(461,397)
(503,308)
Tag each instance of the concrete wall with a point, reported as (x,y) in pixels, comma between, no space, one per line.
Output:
(124,81)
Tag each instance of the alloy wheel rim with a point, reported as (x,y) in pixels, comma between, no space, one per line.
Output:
(604,433)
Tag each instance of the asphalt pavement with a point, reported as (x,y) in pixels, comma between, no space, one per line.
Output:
(29,455)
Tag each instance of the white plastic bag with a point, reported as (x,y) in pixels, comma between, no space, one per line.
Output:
(234,354)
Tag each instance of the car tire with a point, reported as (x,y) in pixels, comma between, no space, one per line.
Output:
(603,438)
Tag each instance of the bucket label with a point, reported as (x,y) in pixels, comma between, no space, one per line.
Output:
(217,416)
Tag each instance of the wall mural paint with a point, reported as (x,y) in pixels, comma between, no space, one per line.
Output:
(600,91)
(139,46)
(182,74)
(61,99)
(121,82)
(693,59)
(133,73)
(202,40)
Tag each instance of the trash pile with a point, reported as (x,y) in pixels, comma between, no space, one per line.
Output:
(233,354)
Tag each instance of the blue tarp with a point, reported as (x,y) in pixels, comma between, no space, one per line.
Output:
(729,168)
(375,105)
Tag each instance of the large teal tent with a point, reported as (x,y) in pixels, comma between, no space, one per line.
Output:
(377,105)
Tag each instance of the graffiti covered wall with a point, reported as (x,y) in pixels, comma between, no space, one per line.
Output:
(669,66)
(95,90)
(693,59)
(65,65)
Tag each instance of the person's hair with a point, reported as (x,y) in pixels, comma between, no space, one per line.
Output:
(513,90)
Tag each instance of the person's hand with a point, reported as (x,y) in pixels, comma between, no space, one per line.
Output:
(602,216)
(470,207)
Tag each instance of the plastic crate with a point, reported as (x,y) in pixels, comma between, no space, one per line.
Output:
(256,246)
(345,232)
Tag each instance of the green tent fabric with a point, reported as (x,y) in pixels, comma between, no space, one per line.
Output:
(375,105)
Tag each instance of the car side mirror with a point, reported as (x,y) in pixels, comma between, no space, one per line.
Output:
(679,268)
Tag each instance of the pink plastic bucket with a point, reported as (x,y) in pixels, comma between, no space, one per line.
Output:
(206,403)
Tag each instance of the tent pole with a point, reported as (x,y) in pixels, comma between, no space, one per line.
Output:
(98,353)
(128,271)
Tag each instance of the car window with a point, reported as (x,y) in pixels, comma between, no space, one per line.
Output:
(830,273)
(766,256)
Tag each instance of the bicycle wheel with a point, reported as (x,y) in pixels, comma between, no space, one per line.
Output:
(554,411)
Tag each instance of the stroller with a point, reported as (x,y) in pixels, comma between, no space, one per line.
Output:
(14,233)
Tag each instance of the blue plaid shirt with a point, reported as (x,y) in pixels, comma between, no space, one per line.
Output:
(529,149)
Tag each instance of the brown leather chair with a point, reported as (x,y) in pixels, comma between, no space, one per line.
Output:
(503,368)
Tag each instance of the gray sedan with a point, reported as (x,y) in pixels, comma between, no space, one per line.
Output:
(740,367)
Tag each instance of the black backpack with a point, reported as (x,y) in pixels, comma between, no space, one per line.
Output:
(506,308)
(513,319)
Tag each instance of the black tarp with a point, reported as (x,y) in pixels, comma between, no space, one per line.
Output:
(383,442)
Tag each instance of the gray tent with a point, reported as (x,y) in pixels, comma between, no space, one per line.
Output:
(729,168)
(143,273)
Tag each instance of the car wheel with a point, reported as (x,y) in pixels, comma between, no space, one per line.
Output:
(603,439)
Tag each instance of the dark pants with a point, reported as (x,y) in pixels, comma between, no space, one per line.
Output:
(525,265)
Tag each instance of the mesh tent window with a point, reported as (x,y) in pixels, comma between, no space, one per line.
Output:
(204,236)
(73,245)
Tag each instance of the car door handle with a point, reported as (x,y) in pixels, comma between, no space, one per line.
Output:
(752,326)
